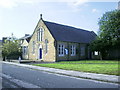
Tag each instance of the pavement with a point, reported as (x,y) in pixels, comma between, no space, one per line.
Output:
(93,76)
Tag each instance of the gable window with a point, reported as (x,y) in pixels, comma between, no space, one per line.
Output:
(46,46)
(40,35)
(73,50)
(82,51)
(61,48)
(33,47)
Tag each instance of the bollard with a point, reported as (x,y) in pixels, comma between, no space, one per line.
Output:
(19,59)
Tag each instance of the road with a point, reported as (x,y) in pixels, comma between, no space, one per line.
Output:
(8,84)
(28,78)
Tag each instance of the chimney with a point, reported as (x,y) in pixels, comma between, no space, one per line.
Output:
(40,16)
(27,35)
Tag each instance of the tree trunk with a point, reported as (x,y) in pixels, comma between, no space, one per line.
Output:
(3,58)
(101,56)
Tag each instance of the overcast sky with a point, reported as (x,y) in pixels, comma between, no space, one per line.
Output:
(20,17)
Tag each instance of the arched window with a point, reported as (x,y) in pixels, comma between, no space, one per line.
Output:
(40,35)
(46,46)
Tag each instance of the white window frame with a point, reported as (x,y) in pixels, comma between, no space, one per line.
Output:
(73,50)
(66,51)
(40,34)
(61,49)
(25,50)
(96,53)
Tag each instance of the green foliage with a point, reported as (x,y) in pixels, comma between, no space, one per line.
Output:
(109,33)
(11,50)
(109,25)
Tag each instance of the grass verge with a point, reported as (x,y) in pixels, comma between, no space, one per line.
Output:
(101,67)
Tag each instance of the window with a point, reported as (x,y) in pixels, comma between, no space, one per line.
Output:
(21,41)
(73,50)
(33,46)
(46,46)
(25,50)
(66,51)
(96,53)
(82,51)
(61,50)
(40,34)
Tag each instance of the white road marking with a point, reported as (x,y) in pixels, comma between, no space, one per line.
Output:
(20,82)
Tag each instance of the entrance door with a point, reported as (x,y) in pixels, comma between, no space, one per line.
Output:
(40,53)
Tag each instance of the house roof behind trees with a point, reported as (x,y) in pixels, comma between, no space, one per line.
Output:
(27,37)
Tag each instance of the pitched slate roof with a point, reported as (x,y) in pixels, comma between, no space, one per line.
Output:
(70,34)
(26,37)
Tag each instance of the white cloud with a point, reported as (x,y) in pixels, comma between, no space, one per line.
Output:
(104,0)
(7,3)
(95,10)
(83,0)
(79,2)
(76,4)
(14,3)
(73,4)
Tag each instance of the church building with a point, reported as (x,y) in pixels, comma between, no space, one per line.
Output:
(51,42)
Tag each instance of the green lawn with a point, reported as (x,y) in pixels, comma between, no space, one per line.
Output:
(92,61)
(102,67)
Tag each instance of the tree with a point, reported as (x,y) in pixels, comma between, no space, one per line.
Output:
(109,26)
(11,50)
(109,33)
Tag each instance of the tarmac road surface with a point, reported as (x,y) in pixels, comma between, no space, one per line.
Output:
(17,77)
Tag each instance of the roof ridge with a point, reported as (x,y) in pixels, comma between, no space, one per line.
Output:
(68,26)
